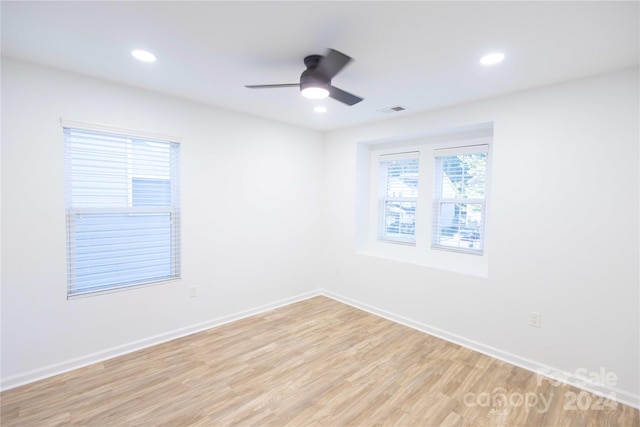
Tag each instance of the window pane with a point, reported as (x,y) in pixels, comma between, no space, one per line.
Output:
(464,176)
(120,249)
(151,192)
(460,225)
(400,221)
(99,170)
(150,159)
(401,178)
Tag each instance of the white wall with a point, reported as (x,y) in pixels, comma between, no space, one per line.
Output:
(562,232)
(250,193)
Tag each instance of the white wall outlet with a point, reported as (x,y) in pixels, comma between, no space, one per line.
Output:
(536,319)
(193,291)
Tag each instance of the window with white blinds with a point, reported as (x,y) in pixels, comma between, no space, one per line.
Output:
(459,199)
(398,197)
(122,197)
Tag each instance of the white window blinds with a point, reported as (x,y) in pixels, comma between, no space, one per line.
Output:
(398,196)
(122,197)
(459,199)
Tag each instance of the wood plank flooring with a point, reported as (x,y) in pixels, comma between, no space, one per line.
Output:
(313,363)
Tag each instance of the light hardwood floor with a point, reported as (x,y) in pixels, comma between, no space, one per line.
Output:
(317,362)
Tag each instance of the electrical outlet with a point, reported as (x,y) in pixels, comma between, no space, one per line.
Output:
(193,291)
(536,319)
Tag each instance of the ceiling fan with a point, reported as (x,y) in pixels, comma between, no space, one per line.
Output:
(315,81)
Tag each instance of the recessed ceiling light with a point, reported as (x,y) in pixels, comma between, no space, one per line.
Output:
(143,55)
(320,109)
(492,58)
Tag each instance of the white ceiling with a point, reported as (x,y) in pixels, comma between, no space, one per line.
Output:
(421,55)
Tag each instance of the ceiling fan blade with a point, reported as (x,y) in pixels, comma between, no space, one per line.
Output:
(273,86)
(331,64)
(342,96)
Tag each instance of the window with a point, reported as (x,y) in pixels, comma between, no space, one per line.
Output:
(459,199)
(123,210)
(425,200)
(398,195)
(459,183)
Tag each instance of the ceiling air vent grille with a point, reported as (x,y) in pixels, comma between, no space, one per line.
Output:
(394,109)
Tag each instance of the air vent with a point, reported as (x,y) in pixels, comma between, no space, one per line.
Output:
(393,109)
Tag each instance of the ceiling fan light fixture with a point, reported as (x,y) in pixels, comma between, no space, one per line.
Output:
(315,81)
(315,92)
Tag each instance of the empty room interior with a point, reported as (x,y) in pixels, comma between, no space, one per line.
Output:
(320,213)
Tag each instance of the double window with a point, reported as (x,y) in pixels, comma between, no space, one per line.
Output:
(123,210)
(435,195)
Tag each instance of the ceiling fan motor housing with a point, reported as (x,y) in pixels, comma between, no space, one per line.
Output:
(308,78)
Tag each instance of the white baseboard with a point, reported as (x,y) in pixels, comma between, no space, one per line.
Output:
(550,373)
(618,395)
(79,362)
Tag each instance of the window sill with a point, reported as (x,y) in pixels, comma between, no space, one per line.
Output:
(457,262)
(117,289)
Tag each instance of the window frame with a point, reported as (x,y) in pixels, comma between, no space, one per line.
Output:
(384,198)
(75,213)
(367,205)
(439,199)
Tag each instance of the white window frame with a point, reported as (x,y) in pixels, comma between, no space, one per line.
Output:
(439,199)
(384,198)
(422,251)
(75,211)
